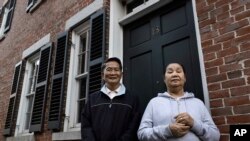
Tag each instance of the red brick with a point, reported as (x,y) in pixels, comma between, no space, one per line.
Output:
(238,3)
(228,44)
(217,78)
(207,22)
(229,67)
(199,6)
(242,15)
(212,71)
(219,120)
(219,10)
(243,31)
(234,74)
(214,86)
(223,128)
(233,83)
(212,49)
(211,1)
(202,17)
(242,39)
(240,91)
(247,71)
(238,119)
(206,43)
(227,52)
(248,5)
(214,63)
(210,35)
(237,57)
(234,26)
(209,57)
(216,103)
(222,23)
(224,137)
(204,9)
(222,111)
(247,63)
(224,37)
(244,109)
(245,46)
(219,94)
(222,3)
(205,29)
(223,16)
(237,10)
(235,101)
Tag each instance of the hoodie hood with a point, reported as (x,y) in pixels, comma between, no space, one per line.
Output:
(185,96)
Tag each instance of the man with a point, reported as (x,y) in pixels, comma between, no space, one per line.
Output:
(110,114)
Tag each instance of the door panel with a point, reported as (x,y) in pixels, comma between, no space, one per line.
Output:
(140,72)
(150,43)
(136,37)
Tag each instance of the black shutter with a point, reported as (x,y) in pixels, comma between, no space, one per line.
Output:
(41,90)
(97,42)
(57,94)
(10,115)
(11,7)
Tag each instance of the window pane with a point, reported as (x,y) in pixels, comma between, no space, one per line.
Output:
(28,112)
(82,97)
(83,55)
(31,91)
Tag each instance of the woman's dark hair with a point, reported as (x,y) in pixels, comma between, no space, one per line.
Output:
(183,68)
(115,59)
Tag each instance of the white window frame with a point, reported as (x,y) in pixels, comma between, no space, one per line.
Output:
(32,5)
(4,20)
(30,54)
(71,112)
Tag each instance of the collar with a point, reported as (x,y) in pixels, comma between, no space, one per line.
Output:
(119,91)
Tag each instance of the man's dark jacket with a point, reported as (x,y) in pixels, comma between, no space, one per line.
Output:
(104,119)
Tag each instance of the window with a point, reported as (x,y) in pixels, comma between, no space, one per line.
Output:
(32,4)
(80,39)
(86,58)
(8,11)
(82,73)
(28,92)
(34,89)
(133,4)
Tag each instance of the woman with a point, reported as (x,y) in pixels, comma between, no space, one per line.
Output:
(177,115)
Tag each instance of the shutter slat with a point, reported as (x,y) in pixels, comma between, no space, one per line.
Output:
(97,36)
(40,96)
(57,91)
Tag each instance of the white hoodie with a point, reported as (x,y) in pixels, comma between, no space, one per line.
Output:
(161,111)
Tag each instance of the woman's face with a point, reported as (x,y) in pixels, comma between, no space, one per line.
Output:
(174,76)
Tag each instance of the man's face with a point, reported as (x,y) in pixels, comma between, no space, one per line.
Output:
(174,75)
(112,73)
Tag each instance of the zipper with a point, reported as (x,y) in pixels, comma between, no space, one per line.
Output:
(110,104)
(178,104)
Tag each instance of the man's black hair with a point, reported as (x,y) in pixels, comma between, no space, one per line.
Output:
(115,59)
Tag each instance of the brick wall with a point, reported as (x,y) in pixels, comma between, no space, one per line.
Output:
(225,38)
(26,29)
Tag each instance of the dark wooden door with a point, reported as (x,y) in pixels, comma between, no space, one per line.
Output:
(150,43)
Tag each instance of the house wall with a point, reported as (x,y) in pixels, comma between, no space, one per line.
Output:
(225,39)
(26,29)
